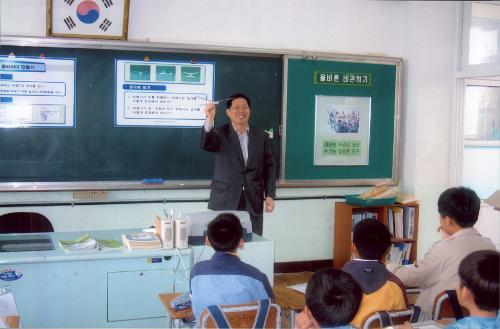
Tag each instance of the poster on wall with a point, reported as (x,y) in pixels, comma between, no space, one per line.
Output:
(167,94)
(37,92)
(342,130)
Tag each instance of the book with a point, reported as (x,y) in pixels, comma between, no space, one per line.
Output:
(141,240)
(86,243)
(390,221)
(400,252)
(395,253)
(83,243)
(411,222)
(407,253)
(398,222)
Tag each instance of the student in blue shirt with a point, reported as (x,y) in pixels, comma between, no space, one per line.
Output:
(332,300)
(225,279)
(478,291)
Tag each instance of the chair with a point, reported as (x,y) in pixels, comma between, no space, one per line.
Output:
(446,306)
(389,318)
(24,222)
(261,314)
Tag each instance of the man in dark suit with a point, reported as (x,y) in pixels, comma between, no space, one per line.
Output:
(244,175)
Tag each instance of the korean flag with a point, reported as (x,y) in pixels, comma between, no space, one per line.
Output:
(99,18)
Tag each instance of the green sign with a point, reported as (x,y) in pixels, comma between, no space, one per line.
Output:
(341,147)
(339,78)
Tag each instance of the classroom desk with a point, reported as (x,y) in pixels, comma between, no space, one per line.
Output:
(174,318)
(291,302)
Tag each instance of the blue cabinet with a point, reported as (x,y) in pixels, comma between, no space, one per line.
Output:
(112,288)
(134,295)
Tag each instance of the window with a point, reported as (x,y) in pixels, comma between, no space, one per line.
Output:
(481,33)
(476,137)
(481,133)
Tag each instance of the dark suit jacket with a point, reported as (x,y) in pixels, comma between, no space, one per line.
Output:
(230,174)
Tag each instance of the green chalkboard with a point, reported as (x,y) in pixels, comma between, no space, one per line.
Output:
(96,150)
(377,81)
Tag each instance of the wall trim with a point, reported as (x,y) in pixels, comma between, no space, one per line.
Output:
(302,266)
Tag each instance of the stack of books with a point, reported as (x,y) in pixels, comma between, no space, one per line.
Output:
(141,240)
(400,253)
(401,222)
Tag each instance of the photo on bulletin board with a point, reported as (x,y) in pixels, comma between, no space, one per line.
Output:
(92,19)
(342,131)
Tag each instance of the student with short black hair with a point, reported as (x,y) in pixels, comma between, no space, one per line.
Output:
(225,279)
(458,212)
(332,300)
(478,291)
(382,290)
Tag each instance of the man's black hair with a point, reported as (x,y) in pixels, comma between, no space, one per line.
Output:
(371,238)
(333,297)
(460,204)
(225,232)
(479,271)
(238,95)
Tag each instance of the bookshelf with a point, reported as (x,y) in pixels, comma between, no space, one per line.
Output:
(343,224)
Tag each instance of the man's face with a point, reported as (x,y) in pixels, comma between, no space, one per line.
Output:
(239,112)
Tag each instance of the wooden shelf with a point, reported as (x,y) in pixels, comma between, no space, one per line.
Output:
(342,231)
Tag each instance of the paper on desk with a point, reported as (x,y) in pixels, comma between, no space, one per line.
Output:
(299,287)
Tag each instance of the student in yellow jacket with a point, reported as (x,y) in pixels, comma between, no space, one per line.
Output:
(382,290)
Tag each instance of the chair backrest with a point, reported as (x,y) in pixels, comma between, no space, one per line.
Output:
(446,306)
(24,222)
(261,314)
(389,318)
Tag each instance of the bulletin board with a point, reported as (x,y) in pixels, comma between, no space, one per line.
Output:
(340,120)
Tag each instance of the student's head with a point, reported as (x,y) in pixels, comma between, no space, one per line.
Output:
(460,204)
(479,276)
(225,232)
(332,297)
(238,109)
(371,239)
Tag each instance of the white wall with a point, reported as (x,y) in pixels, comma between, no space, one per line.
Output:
(422,33)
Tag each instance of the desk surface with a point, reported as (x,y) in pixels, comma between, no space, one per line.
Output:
(288,299)
(59,255)
(166,298)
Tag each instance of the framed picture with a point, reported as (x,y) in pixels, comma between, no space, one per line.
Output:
(342,131)
(93,19)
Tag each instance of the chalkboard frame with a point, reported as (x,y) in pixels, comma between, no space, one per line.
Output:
(170,47)
(286,180)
